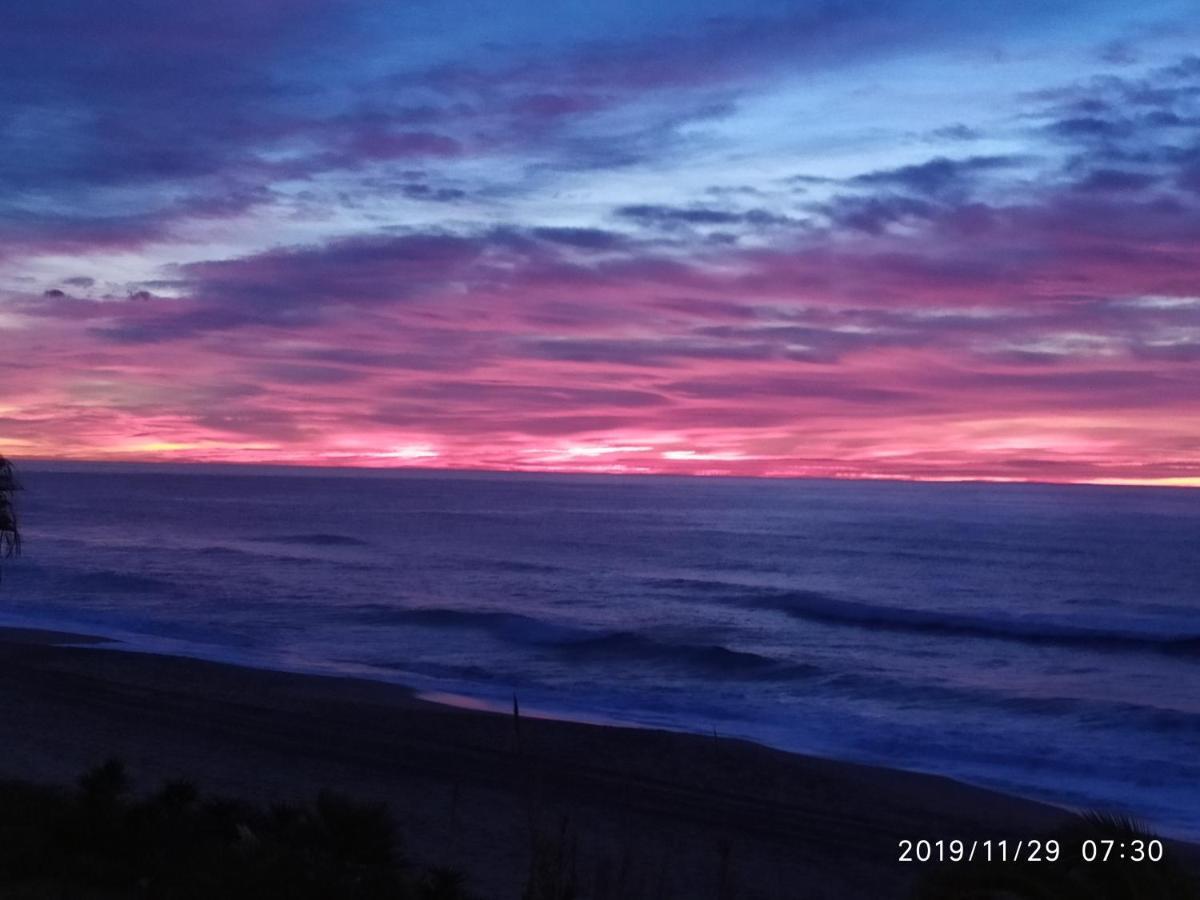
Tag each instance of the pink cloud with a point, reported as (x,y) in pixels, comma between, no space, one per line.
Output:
(910,324)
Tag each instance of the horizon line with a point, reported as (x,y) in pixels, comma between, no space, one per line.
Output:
(352,470)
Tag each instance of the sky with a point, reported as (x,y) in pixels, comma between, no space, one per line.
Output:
(864,239)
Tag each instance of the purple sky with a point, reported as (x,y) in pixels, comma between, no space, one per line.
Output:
(859,239)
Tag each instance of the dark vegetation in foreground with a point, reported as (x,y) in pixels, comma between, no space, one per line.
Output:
(98,842)
(10,534)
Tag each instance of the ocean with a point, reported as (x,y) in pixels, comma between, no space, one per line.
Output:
(1042,640)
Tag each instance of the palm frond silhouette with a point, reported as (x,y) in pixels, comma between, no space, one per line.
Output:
(10,533)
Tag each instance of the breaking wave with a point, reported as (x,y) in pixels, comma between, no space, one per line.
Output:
(581,644)
(817,607)
(313,540)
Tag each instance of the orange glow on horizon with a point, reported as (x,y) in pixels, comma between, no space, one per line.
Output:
(631,460)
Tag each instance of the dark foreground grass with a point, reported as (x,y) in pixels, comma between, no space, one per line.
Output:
(99,841)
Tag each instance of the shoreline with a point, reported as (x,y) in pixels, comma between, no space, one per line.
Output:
(137,645)
(130,643)
(466,786)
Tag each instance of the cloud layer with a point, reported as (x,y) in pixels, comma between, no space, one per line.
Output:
(820,239)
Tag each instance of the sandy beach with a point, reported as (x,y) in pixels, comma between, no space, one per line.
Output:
(645,813)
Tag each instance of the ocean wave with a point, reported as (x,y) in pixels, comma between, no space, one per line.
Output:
(512,627)
(818,607)
(1115,715)
(261,556)
(691,585)
(714,658)
(313,540)
(519,566)
(108,582)
(583,645)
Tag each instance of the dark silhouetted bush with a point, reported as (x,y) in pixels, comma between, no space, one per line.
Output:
(101,841)
(10,534)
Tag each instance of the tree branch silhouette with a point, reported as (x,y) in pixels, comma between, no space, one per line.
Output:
(10,532)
